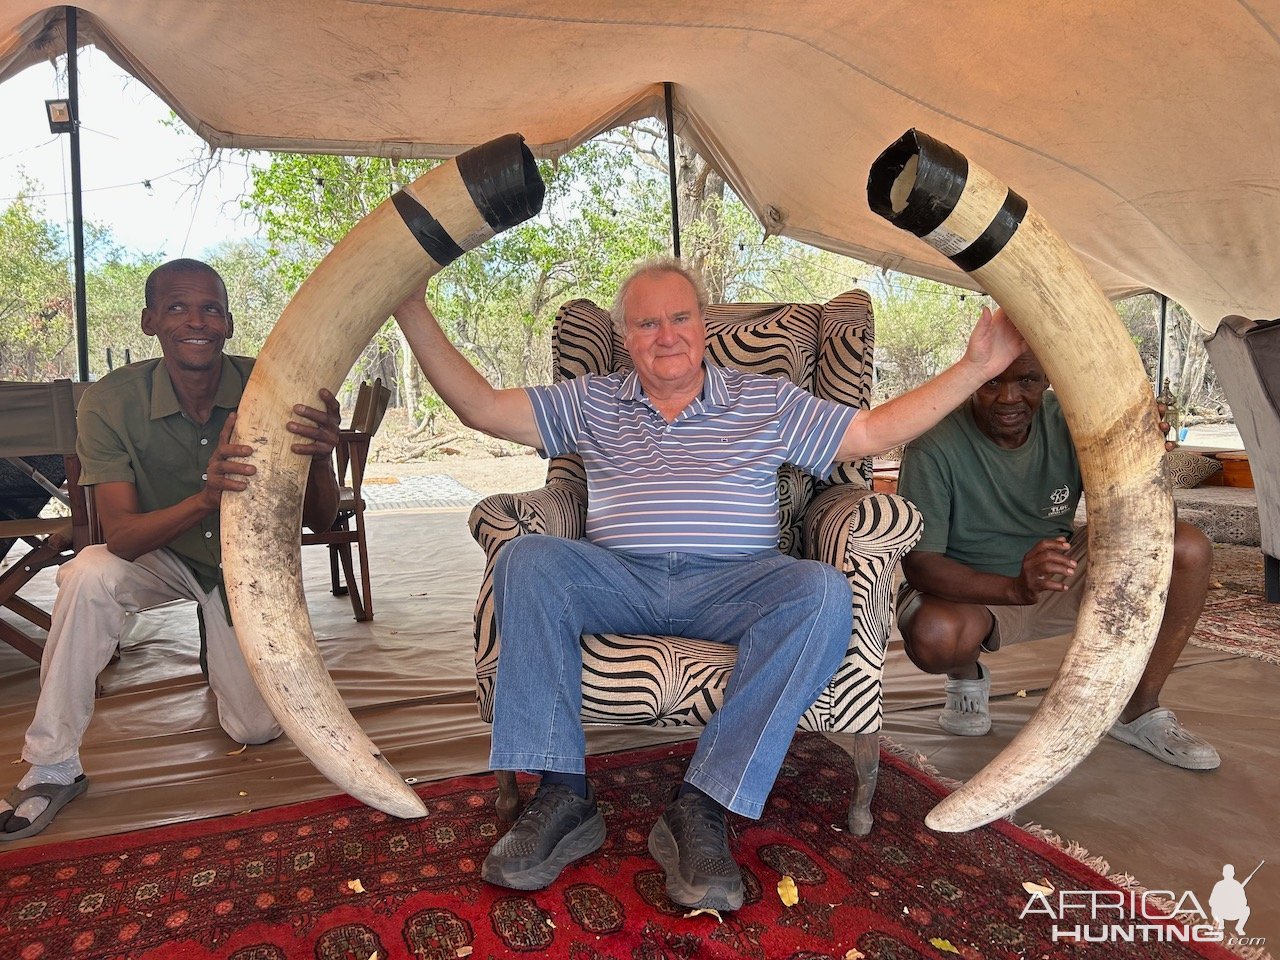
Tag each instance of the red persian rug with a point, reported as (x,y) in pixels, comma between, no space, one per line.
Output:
(1236,617)
(335,880)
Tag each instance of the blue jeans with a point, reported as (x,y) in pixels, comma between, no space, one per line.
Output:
(790,620)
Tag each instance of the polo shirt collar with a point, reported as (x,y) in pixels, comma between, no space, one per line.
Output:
(164,401)
(715,393)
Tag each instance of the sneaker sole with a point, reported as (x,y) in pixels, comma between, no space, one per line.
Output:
(584,839)
(713,895)
(965,728)
(1152,750)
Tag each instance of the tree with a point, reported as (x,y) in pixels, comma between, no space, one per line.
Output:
(922,326)
(37,339)
(1192,379)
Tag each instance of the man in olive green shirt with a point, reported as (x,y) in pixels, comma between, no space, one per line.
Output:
(154,441)
(1000,562)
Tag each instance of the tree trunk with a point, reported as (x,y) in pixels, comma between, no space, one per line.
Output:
(700,190)
(408,378)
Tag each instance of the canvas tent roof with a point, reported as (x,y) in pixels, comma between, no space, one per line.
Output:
(1145,132)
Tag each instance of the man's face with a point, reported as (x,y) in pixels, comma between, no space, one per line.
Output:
(665,334)
(189,316)
(1003,407)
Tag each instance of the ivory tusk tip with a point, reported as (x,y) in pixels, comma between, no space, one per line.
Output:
(956,817)
(408,807)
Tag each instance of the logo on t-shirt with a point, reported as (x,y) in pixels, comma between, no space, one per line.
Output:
(1058,502)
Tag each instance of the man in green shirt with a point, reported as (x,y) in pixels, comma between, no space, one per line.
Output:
(154,441)
(998,483)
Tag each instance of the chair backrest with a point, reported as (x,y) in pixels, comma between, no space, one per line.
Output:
(1246,357)
(827,348)
(370,407)
(38,418)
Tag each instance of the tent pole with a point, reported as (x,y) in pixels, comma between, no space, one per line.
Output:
(77,210)
(1164,333)
(671,171)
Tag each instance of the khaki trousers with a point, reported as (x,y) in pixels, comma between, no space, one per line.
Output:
(96,592)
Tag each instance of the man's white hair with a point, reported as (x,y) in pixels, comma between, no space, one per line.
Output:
(648,268)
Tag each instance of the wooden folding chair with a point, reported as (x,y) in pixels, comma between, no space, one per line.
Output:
(348,527)
(38,420)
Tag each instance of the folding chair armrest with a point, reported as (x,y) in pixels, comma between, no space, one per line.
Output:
(558,509)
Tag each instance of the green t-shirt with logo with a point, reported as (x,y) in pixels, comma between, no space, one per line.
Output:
(131,428)
(986,506)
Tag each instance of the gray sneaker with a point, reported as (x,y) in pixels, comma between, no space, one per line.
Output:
(965,713)
(690,843)
(556,828)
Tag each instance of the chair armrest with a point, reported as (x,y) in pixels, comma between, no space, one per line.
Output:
(863,534)
(558,509)
(847,525)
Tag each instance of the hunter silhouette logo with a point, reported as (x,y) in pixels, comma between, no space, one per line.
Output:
(1228,900)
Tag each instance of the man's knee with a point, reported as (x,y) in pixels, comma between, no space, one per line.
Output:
(824,583)
(1192,551)
(531,551)
(939,636)
(95,567)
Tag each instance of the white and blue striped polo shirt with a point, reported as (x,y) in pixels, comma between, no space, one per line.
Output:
(705,483)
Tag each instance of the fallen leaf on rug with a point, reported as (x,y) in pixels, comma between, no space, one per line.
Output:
(787,892)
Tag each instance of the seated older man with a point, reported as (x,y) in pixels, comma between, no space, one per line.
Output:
(681,459)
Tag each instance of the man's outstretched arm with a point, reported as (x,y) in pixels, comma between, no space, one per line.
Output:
(500,413)
(994,344)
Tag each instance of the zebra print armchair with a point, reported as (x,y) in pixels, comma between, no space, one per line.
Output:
(826,348)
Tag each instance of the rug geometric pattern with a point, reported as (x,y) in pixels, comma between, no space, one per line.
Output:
(1236,618)
(334,879)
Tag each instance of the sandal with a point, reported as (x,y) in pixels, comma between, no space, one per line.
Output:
(1159,733)
(965,713)
(58,795)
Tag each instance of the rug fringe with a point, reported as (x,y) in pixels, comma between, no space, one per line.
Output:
(917,760)
(1077,852)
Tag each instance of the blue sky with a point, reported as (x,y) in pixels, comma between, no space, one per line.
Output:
(124,143)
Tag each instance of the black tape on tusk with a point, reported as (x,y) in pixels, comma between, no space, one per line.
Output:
(1002,227)
(941,173)
(503,180)
(426,229)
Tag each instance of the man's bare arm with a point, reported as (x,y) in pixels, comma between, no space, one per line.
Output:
(994,344)
(500,413)
(1044,568)
(131,532)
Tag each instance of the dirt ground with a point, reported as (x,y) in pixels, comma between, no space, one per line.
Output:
(474,460)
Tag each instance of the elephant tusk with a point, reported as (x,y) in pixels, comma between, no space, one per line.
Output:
(930,189)
(449,210)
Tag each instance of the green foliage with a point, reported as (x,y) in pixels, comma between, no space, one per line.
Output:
(922,327)
(36,297)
